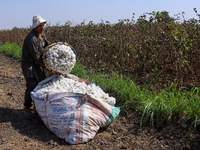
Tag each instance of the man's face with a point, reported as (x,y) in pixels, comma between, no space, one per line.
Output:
(40,28)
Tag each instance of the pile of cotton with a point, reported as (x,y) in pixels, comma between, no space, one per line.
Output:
(63,84)
(60,58)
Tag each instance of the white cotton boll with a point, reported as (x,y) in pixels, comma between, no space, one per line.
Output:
(55,55)
(64,64)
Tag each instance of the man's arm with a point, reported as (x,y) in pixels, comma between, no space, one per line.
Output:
(35,50)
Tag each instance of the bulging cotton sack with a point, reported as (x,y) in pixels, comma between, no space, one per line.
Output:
(72,116)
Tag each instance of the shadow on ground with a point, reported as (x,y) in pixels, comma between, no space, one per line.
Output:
(35,129)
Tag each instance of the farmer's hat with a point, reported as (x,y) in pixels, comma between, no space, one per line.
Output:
(37,20)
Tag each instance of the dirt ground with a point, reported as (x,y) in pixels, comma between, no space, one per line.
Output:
(18,133)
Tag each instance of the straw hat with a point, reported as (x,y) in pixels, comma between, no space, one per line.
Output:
(37,20)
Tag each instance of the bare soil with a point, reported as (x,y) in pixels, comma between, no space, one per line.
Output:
(18,133)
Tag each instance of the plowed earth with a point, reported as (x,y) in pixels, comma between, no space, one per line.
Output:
(18,133)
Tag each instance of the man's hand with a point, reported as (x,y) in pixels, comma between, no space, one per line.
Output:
(82,80)
(42,64)
(58,73)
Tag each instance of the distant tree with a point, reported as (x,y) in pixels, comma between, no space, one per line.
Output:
(142,19)
(163,17)
(15,28)
(156,17)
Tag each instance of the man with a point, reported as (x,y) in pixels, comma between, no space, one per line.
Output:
(31,61)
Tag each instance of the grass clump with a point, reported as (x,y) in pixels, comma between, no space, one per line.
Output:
(11,49)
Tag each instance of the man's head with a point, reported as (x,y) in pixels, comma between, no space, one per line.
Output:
(38,23)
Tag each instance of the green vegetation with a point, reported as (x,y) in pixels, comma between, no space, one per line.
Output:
(160,50)
(12,50)
(152,66)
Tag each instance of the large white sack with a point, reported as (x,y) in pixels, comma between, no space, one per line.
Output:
(72,116)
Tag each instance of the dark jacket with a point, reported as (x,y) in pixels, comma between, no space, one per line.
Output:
(32,51)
